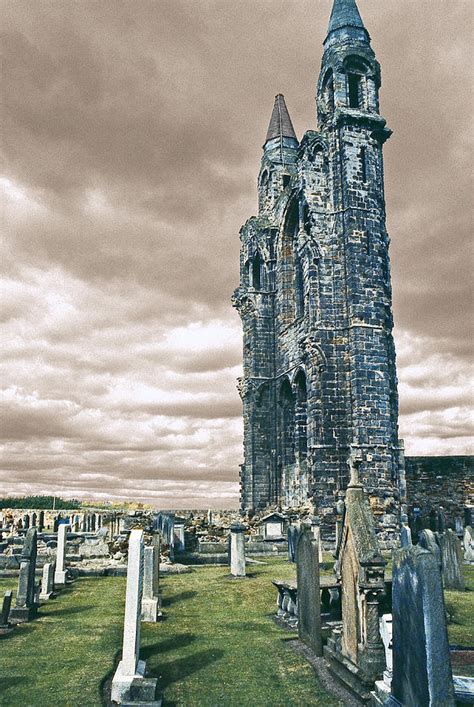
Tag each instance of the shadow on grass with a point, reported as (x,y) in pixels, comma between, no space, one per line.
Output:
(169,644)
(167,601)
(181,668)
(13,681)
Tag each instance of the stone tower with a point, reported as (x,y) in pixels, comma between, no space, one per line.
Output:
(319,384)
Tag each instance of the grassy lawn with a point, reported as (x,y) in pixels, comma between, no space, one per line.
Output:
(216,645)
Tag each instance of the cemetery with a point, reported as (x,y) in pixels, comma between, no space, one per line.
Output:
(318,622)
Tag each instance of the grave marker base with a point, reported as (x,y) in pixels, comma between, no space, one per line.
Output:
(21,614)
(151,609)
(134,689)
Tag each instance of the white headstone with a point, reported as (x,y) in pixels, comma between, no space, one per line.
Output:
(237,551)
(47,581)
(131,670)
(150,602)
(60,573)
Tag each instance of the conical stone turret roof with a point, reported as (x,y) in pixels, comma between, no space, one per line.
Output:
(280,122)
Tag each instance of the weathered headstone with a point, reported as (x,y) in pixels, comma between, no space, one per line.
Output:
(427,540)
(237,550)
(309,600)
(60,572)
(316,530)
(383,687)
(468,516)
(41,521)
(150,600)
(442,520)
(451,560)
(292,534)
(355,653)
(5,626)
(458,526)
(468,542)
(25,606)
(178,535)
(130,673)
(421,663)
(405,533)
(47,581)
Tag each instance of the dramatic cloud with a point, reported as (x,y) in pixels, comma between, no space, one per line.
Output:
(132,143)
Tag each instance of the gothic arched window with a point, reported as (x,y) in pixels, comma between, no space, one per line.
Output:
(328,92)
(287,424)
(257,271)
(299,287)
(301,416)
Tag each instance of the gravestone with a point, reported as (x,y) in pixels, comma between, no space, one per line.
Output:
(129,682)
(47,581)
(458,526)
(383,687)
(292,534)
(178,535)
(451,561)
(316,530)
(442,521)
(150,601)
(5,626)
(427,540)
(41,521)
(421,661)
(405,536)
(468,544)
(355,652)
(237,550)
(60,572)
(25,606)
(309,600)
(468,516)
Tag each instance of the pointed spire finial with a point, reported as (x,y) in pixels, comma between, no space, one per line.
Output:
(345,13)
(280,122)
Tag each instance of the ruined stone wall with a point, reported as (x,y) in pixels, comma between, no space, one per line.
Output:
(440,481)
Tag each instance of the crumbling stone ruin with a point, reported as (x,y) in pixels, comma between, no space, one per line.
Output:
(315,297)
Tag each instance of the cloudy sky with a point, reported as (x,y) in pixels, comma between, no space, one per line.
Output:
(132,140)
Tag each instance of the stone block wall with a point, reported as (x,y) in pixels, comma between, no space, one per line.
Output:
(440,481)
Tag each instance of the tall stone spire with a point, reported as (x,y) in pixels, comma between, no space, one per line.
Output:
(345,14)
(280,122)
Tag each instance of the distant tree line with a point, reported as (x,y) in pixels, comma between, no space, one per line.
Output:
(42,502)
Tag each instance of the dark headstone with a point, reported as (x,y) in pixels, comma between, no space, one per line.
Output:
(427,540)
(421,663)
(5,612)
(433,520)
(405,536)
(442,521)
(25,605)
(309,602)
(292,538)
(41,521)
(26,520)
(55,524)
(468,516)
(451,561)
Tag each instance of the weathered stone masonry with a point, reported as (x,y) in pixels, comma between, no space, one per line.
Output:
(315,297)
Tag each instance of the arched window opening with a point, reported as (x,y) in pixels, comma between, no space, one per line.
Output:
(264,177)
(355,90)
(328,92)
(363,163)
(299,287)
(286,180)
(257,272)
(287,424)
(285,268)
(301,415)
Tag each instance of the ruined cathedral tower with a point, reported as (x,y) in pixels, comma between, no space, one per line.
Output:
(319,381)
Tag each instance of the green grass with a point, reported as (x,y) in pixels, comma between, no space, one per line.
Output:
(460,607)
(217,645)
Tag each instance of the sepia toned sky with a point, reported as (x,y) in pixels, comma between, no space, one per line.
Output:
(132,140)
